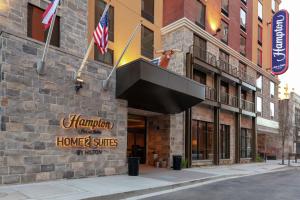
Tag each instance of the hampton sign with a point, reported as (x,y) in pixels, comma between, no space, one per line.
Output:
(280,42)
(88,127)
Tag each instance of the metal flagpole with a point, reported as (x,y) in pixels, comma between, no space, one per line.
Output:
(78,73)
(41,64)
(105,82)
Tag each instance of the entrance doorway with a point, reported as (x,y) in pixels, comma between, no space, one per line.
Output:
(136,137)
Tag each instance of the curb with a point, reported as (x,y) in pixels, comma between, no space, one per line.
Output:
(134,193)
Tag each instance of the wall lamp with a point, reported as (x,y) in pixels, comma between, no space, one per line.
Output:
(217,31)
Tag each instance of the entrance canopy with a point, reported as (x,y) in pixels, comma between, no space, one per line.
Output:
(149,87)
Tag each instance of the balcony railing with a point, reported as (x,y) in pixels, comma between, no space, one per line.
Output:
(229,99)
(204,56)
(210,94)
(247,105)
(246,77)
(228,68)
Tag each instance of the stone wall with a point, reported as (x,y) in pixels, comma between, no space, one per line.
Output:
(32,107)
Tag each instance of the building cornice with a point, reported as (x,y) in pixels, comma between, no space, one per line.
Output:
(184,22)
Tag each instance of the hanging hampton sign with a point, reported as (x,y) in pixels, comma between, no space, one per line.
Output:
(280,42)
(88,127)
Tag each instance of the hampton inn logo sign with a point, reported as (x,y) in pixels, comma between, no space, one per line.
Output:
(280,42)
(88,127)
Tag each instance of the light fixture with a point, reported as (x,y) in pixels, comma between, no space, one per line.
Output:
(78,84)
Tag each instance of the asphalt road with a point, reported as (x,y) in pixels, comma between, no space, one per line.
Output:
(284,185)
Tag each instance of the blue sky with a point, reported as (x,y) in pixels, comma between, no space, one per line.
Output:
(292,76)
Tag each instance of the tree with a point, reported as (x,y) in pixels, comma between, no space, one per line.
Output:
(285,123)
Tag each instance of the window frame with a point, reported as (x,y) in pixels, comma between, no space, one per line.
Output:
(243,53)
(104,56)
(198,20)
(245,148)
(259,58)
(146,15)
(272,110)
(260,5)
(222,29)
(111,18)
(244,2)
(273,6)
(223,10)
(143,50)
(199,76)
(272,89)
(259,35)
(259,106)
(244,28)
(259,87)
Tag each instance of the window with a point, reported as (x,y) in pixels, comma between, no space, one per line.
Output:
(224,141)
(224,7)
(35,28)
(259,57)
(200,77)
(199,42)
(200,48)
(243,19)
(273,6)
(272,89)
(202,140)
(246,141)
(224,32)
(242,45)
(224,60)
(245,2)
(107,58)
(201,19)
(260,11)
(272,110)
(259,82)
(148,10)
(259,35)
(259,106)
(147,41)
(99,8)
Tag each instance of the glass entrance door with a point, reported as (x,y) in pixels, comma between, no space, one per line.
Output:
(136,137)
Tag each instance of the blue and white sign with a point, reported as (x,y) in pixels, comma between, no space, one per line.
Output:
(280,42)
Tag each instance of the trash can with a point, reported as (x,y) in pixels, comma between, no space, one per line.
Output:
(177,162)
(133,166)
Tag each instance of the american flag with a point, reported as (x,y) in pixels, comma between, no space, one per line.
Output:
(101,32)
(49,12)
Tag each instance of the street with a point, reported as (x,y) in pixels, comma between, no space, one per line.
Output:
(283,185)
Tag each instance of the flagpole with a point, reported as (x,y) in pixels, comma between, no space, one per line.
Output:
(41,64)
(105,82)
(91,45)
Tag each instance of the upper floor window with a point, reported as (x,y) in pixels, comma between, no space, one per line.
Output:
(273,6)
(259,35)
(224,56)
(224,31)
(201,18)
(242,45)
(259,105)
(199,76)
(260,11)
(225,7)
(148,10)
(259,57)
(35,28)
(259,82)
(243,19)
(147,42)
(272,110)
(244,1)
(272,89)
(99,8)
(107,58)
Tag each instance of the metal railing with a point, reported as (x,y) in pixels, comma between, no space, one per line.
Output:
(247,105)
(204,55)
(229,99)
(246,77)
(210,94)
(228,68)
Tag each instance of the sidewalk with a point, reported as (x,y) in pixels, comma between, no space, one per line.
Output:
(122,186)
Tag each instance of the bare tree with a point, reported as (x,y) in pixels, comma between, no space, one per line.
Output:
(285,123)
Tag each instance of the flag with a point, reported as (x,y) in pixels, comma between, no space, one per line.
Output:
(49,12)
(101,32)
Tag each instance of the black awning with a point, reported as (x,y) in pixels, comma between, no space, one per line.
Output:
(149,87)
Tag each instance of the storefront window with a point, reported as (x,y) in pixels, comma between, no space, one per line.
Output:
(202,140)
(35,28)
(224,141)
(246,141)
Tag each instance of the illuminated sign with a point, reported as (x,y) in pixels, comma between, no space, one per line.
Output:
(280,42)
(86,143)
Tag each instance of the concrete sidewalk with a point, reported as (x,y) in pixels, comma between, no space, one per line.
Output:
(122,186)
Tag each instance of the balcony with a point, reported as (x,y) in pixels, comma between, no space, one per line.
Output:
(247,78)
(210,94)
(229,100)
(204,56)
(228,68)
(247,105)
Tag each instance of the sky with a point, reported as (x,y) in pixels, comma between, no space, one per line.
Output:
(292,76)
